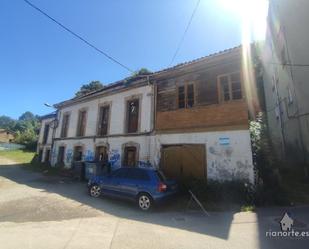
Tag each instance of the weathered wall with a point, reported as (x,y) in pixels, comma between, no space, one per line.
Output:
(228,153)
(232,113)
(48,144)
(117,112)
(286,86)
(117,136)
(114,145)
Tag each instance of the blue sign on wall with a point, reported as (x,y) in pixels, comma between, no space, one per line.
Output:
(224,141)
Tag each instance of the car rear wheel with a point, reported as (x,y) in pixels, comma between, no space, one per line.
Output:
(144,201)
(95,190)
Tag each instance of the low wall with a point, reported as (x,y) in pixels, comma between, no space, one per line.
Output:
(11,146)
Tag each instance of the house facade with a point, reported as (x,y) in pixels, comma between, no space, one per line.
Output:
(45,140)
(285,57)
(113,124)
(190,120)
(201,120)
(6,136)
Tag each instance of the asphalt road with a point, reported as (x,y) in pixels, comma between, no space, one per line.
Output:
(49,212)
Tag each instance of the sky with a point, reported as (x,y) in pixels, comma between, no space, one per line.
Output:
(41,63)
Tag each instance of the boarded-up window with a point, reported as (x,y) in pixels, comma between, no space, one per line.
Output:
(65,125)
(60,159)
(78,153)
(130,156)
(230,87)
(46,131)
(103,121)
(101,154)
(132,115)
(186,96)
(81,125)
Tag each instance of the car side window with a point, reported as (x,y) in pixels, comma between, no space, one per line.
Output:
(120,173)
(138,174)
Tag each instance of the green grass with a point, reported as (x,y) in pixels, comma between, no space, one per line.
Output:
(26,159)
(19,156)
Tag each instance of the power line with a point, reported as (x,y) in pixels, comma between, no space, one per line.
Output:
(185,32)
(78,36)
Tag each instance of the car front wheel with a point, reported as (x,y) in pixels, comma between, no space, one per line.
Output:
(95,190)
(144,202)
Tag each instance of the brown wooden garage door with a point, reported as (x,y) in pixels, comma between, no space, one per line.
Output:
(184,161)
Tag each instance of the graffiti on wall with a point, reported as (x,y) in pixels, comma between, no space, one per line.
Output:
(114,157)
(144,164)
(69,155)
(89,155)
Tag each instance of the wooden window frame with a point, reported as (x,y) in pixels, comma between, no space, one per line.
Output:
(64,133)
(185,85)
(109,105)
(228,75)
(78,128)
(126,119)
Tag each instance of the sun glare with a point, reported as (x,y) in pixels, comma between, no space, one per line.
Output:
(252,14)
(253,17)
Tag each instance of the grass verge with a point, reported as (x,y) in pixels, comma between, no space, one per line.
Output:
(19,156)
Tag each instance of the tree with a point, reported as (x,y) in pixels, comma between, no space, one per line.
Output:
(87,88)
(142,71)
(26,128)
(7,123)
(27,116)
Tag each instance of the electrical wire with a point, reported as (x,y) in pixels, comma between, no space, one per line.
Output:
(185,32)
(78,36)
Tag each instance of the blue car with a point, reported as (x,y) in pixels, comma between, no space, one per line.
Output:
(146,186)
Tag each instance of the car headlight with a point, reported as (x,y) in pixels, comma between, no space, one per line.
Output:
(89,182)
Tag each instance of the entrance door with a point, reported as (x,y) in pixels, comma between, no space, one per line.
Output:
(184,161)
(130,156)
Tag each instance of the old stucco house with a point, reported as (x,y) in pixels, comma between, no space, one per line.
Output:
(190,120)
(285,67)
(6,136)
(45,140)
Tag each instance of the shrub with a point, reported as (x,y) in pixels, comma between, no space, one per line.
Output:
(237,191)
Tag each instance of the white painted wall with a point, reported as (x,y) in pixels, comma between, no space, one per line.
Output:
(224,162)
(117,112)
(49,138)
(48,144)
